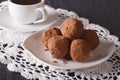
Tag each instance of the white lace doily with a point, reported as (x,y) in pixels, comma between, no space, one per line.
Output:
(17,58)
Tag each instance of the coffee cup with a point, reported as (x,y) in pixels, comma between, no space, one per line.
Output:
(27,11)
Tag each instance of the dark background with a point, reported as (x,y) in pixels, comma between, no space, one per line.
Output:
(103,12)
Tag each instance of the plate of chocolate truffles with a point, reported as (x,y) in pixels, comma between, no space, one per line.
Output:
(69,46)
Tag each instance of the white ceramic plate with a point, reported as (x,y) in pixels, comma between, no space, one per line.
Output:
(6,22)
(97,56)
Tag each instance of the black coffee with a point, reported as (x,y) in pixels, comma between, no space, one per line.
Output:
(25,2)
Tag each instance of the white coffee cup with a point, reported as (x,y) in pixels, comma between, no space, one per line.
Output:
(28,13)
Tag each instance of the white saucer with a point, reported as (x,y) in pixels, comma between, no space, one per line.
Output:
(102,53)
(7,23)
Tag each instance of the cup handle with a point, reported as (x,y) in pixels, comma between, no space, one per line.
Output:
(44,13)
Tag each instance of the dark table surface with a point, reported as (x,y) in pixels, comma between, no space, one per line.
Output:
(103,12)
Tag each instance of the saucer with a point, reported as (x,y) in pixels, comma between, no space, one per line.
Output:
(7,23)
(97,56)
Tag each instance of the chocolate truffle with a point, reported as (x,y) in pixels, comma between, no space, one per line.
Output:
(79,50)
(72,28)
(92,38)
(58,46)
(50,33)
